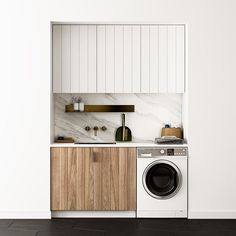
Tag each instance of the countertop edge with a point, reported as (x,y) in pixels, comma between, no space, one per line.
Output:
(118,144)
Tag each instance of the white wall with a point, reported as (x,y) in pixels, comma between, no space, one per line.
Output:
(25,72)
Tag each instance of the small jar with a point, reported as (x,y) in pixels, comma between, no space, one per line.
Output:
(81,106)
(76,106)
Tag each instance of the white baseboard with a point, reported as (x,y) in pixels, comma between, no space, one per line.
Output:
(25,214)
(212,214)
(93,214)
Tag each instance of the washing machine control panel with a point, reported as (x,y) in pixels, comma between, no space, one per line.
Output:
(154,152)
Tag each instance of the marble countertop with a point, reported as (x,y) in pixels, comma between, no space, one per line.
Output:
(119,144)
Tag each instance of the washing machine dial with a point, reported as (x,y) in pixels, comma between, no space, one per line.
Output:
(162,151)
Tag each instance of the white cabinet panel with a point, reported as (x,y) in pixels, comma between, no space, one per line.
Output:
(110,59)
(154,58)
(75,52)
(119,59)
(180,59)
(56,58)
(171,55)
(136,59)
(101,59)
(163,59)
(83,59)
(92,71)
(65,59)
(127,59)
(145,58)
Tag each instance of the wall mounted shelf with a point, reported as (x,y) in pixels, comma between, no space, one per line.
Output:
(102,108)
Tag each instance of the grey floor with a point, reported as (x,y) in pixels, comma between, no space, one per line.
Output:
(126,227)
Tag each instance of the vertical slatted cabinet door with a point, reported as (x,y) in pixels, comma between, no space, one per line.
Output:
(56,58)
(65,59)
(163,59)
(154,41)
(119,58)
(101,58)
(92,41)
(180,59)
(131,180)
(59,180)
(110,58)
(171,55)
(97,178)
(83,59)
(136,59)
(82,154)
(105,179)
(127,59)
(88,180)
(114,163)
(101,178)
(145,58)
(72,178)
(123,179)
(75,57)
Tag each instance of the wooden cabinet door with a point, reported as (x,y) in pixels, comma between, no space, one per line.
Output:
(93,179)
(59,184)
(123,179)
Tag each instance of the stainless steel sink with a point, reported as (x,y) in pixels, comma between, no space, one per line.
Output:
(95,143)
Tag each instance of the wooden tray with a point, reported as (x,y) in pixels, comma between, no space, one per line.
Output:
(177,132)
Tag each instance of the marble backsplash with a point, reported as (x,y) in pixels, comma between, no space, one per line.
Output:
(152,111)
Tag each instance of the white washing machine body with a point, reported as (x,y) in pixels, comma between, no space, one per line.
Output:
(162,182)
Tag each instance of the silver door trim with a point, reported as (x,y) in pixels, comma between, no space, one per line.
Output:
(161,161)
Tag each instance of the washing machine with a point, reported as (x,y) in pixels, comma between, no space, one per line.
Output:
(162,182)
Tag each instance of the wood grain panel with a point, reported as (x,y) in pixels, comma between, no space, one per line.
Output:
(97,178)
(89,182)
(93,179)
(59,182)
(131,180)
(123,175)
(81,155)
(72,179)
(106,178)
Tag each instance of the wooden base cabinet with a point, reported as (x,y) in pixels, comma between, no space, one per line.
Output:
(93,179)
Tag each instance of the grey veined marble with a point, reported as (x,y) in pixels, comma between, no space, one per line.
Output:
(152,111)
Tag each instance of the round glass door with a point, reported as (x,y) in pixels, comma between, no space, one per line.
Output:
(162,179)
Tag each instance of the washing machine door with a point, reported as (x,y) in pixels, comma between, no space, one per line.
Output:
(162,179)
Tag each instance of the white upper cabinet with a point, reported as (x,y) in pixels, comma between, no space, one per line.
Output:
(118,58)
(74,59)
